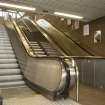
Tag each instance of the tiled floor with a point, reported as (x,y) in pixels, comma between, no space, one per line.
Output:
(88,96)
(25,96)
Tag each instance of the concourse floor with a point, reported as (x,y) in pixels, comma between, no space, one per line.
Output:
(25,96)
(90,96)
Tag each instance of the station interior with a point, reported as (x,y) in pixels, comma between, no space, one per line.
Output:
(52,52)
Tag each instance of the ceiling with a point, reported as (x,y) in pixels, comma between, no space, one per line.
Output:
(90,9)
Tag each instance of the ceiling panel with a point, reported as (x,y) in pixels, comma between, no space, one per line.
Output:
(90,9)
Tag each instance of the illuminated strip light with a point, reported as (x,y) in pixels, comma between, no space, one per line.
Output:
(68,15)
(17,6)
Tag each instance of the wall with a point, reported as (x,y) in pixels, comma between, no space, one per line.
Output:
(87,42)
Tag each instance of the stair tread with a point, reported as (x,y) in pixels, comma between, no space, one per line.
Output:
(8,60)
(10,73)
(5,78)
(4,66)
(10,84)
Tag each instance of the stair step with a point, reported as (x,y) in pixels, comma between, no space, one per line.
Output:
(5,44)
(4,39)
(6,52)
(7,56)
(11,78)
(4,36)
(12,84)
(9,71)
(5,48)
(2,61)
(9,66)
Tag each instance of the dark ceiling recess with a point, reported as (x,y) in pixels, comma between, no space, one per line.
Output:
(45,11)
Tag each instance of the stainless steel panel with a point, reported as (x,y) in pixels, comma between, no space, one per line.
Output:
(100,73)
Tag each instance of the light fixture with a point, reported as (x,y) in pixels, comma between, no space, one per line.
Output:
(68,15)
(17,6)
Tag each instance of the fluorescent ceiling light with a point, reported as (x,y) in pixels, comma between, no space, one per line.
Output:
(17,6)
(68,15)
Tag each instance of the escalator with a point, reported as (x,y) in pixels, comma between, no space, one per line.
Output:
(71,48)
(41,64)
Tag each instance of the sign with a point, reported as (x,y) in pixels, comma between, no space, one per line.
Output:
(86,30)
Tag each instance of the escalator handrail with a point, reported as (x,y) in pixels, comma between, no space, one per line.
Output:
(23,39)
(25,42)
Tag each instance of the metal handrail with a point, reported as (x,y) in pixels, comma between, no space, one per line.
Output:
(24,40)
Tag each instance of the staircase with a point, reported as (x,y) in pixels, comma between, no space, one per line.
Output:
(10,73)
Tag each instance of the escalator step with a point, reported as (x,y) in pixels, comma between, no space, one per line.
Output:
(42,55)
(33,42)
(52,53)
(35,46)
(50,50)
(39,52)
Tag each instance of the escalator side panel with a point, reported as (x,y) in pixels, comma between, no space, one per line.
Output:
(48,76)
